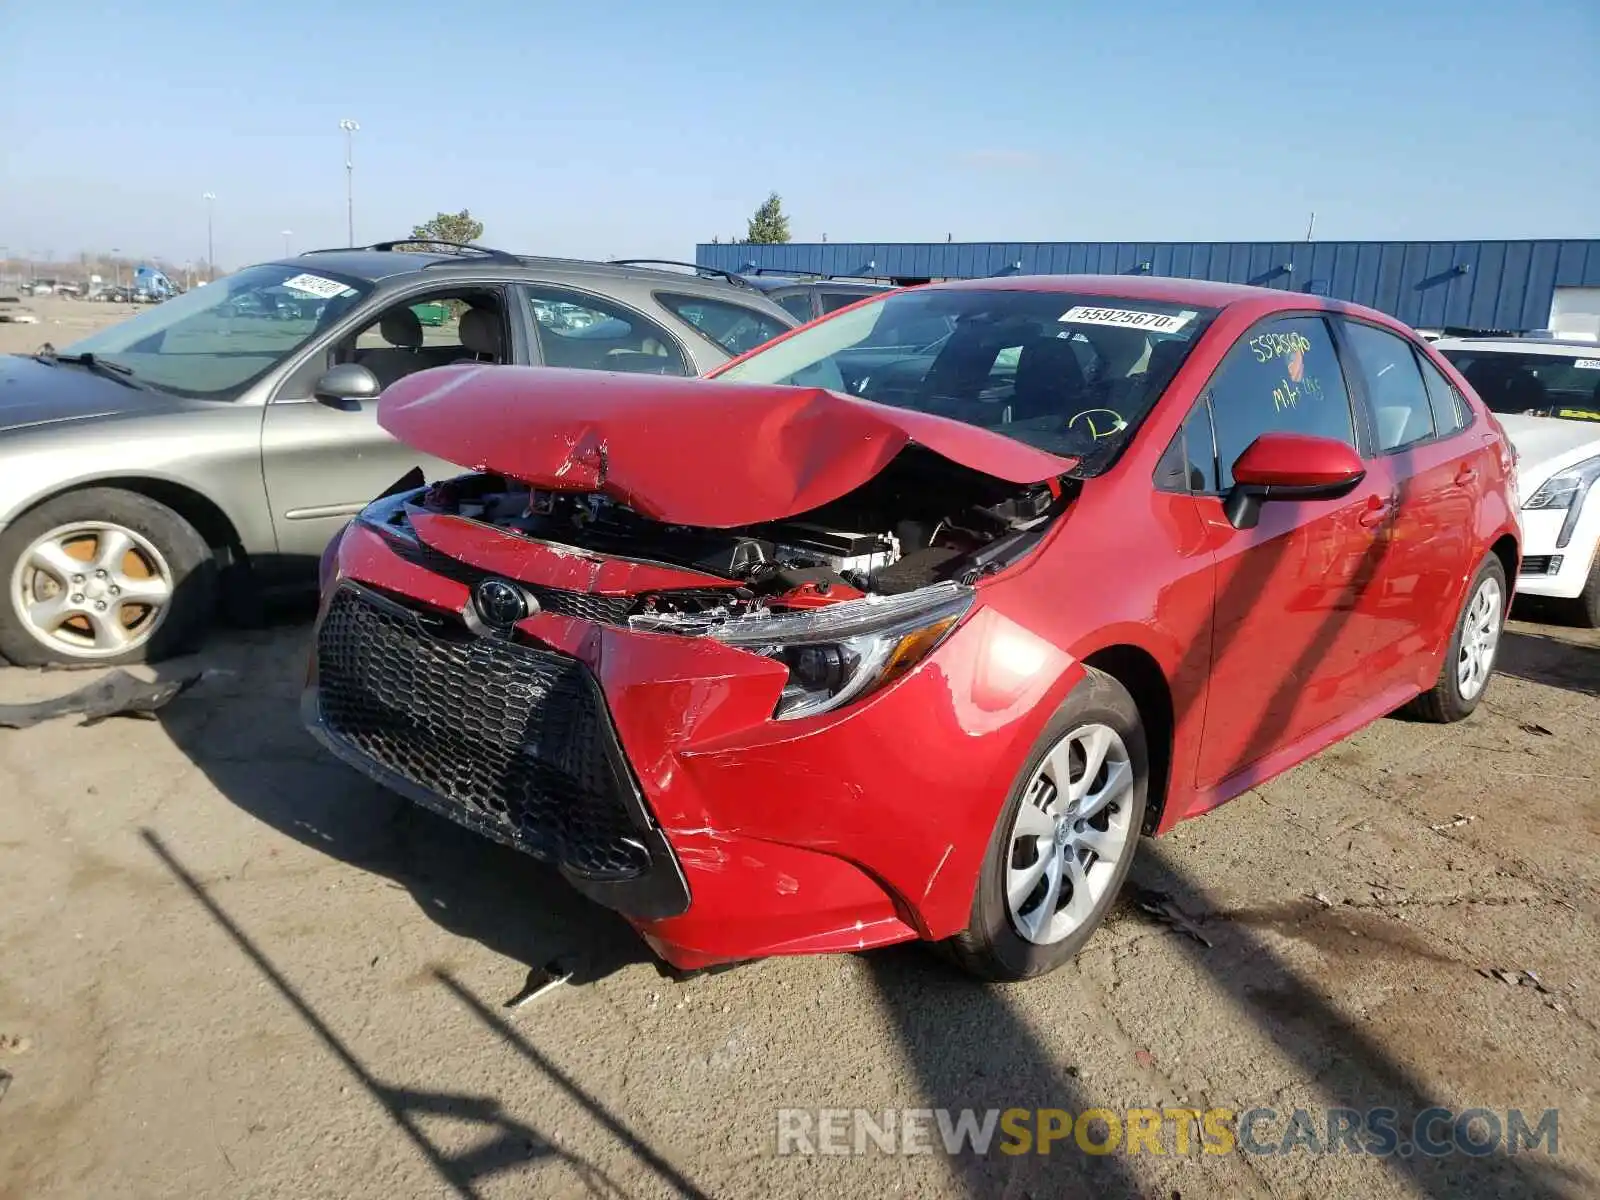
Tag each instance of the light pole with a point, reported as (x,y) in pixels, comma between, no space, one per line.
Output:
(286,234)
(211,257)
(116,266)
(350,130)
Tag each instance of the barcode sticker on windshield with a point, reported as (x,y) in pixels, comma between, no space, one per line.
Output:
(1588,364)
(1128,318)
(316,285)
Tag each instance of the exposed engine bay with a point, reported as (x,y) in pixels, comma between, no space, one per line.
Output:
(920,521)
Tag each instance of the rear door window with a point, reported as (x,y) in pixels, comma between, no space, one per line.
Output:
(1450,412)
(1401,408)
(734,327)
(1281,377)
(577,330)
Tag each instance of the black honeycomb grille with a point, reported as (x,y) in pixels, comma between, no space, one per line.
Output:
(511,740)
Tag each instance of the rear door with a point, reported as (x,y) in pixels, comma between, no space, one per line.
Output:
(1435,467)
(582,331)
(1291,630)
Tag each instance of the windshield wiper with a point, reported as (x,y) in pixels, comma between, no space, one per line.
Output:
(100,366)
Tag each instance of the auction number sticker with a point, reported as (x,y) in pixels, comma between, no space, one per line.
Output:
(1588,364)
(1128,318)
(316,285)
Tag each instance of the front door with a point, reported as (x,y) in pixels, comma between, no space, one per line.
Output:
(322,465)
(1291,628)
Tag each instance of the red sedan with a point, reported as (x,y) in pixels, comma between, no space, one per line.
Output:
(911,622)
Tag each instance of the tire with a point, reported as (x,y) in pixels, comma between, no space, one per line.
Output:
(1449,700)
(1585,609)
(152,600)
(997,944)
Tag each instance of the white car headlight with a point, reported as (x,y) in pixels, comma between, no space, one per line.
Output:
(841,653)
(1567,490)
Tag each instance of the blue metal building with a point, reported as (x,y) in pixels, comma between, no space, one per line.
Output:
(1487,286)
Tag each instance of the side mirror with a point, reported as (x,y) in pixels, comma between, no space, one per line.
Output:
(1289,466)
(346,386)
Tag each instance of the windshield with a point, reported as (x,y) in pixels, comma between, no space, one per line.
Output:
(1541,385)
(1071,374)
(214,341)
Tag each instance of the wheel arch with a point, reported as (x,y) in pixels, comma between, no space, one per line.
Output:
(209,519)
(1136,669)
(1509,553)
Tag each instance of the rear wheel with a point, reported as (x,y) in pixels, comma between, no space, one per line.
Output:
(1469,661)
(1065,838)
(102,576)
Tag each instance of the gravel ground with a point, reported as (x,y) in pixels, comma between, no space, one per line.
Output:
(230,966)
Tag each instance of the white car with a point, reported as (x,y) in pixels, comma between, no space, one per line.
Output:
(1546,393)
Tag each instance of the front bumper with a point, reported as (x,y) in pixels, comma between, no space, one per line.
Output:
(1550,568)
(838,832)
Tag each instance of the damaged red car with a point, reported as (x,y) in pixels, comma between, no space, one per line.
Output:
(908,624)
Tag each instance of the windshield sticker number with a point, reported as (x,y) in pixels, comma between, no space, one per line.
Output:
(316,285)
(1588,364)
(1127,318)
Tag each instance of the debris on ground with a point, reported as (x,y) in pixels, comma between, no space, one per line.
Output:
(1523,978)
(1455,822)
(118,694)
(1144,1058)
(14,1043)
(1164,909)
(540,981)
(1322,900)
(5,1082)
(1540,730)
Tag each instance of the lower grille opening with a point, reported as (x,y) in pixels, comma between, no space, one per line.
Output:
(1540,564)
(513,741)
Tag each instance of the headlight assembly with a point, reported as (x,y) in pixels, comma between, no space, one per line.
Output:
(1566,490)
(845,651)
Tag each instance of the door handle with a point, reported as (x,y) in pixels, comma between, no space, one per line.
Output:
(1466,474)
(1376,512)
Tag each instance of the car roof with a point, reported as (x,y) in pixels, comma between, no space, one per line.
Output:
(1559,347)
(375,264)
(1203,292)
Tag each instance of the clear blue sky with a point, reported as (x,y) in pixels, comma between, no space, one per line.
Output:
(633,127)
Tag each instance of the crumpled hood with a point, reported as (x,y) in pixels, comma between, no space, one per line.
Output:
(685,451)
(1548,444)
(35,393)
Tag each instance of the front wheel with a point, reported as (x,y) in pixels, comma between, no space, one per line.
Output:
(102,577)
(1065,838)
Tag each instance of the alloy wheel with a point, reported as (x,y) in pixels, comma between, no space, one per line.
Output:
(1480,638)
(91,589)
(1073,827)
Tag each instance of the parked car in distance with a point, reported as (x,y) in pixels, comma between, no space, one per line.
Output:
(1547,394)
(856,642)
(233,428)
(808,297)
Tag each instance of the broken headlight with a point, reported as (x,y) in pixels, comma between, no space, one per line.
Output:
(840,653)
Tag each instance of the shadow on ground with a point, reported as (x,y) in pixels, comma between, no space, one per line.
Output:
(1553,661)
(242,728)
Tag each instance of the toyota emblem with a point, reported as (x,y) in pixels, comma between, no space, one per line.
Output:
(501,604)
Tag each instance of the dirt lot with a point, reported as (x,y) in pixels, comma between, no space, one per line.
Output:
(229,966)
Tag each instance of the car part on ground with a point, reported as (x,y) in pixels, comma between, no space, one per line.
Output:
(118,694)
(247,408)
(1150,542)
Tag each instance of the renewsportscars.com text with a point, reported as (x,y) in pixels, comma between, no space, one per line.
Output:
(1382,1132)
